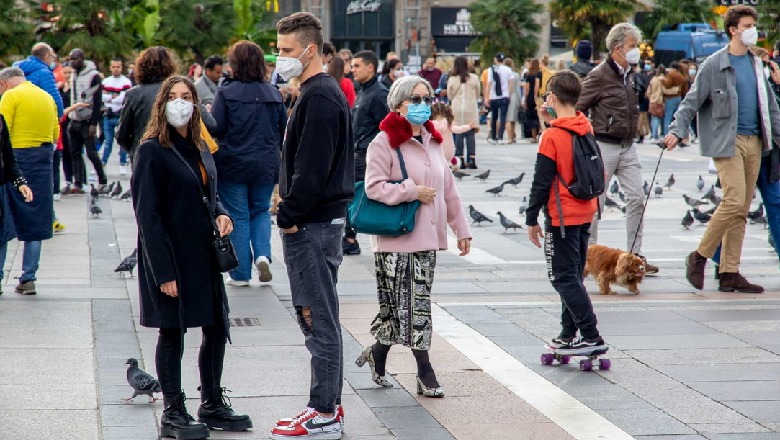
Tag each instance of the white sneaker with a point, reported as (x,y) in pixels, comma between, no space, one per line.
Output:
(263,269)
(123,169)
(57,197)
(501,142)
(237,283)
(491,141)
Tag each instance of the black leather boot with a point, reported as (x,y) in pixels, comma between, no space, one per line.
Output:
(216,412)
(176,422)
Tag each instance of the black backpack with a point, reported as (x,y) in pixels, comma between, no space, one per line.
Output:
(588,180)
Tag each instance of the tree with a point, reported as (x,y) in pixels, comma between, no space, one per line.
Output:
(669,13)
(254,21)
(92,25)
(769,18)
(17,33)
(591,19)
(506,26)
(201,27)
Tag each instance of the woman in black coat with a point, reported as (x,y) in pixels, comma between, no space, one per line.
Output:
(180,283)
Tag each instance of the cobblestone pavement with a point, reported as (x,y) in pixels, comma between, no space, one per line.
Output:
(686,364)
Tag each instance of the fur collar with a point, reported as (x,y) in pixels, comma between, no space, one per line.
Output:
(399,130)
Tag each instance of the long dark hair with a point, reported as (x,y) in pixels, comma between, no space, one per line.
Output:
(158,126)
(460,67)
(336,68)
(247,60)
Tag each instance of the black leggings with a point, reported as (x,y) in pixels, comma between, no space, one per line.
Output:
(170,349)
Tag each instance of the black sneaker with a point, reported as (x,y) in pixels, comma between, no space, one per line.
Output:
(584,346)
(559,342)
(350,248)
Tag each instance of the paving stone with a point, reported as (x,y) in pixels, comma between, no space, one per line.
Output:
(387,397)
(721,372)
(739,391)
(745,436)
(405,417)
(130,433)
(643,422)
(759,411)
(475,314)
(711,429)
(421,433)
(49,424)
(697,356)
(678,341)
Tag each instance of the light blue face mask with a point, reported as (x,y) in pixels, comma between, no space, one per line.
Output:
(418,113)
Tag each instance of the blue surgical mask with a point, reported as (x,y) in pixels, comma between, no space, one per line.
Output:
(691,72)
(648,67)
(418,113)
(52,65)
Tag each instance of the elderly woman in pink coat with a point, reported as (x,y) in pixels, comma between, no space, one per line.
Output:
(405,264)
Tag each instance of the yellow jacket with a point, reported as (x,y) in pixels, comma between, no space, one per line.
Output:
(31,116)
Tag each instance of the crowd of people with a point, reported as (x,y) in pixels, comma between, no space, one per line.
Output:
(213,150)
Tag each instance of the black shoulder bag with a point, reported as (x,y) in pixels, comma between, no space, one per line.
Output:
(223,247)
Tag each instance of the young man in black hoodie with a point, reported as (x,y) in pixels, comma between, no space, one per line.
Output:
(316,182)
(369,110)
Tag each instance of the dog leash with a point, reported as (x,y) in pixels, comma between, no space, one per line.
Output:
(647,197)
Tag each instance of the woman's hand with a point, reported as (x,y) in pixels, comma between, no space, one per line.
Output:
(26,192)
(535,234)
(224,224)
(170,289)
(464,246)
(425,194)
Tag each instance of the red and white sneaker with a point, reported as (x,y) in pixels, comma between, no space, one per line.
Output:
(288,421)
(309,425)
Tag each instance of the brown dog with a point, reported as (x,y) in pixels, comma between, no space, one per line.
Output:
(614,266)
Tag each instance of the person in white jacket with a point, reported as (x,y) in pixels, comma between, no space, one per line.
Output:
(114,88)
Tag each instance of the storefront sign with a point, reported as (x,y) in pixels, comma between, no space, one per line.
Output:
(356,6)
(462,25)
(736,2)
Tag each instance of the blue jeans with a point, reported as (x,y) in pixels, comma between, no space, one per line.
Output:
(313,256)
(770,194)
(248,206)
(670,106)
(31,256)
(498,110)
(655,127)
(109,126)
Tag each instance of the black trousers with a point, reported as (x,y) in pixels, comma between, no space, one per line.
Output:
(565,265)
(360,175)
(80,139)
(170,349)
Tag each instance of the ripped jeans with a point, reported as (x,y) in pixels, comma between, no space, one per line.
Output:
(313,256)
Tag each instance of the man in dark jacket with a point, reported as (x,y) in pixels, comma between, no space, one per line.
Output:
(584,52)
(37,69)
(608,96)
(369,110)
(86,86)
(316,183)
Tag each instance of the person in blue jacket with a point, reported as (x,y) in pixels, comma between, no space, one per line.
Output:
(38,69)
(250,122)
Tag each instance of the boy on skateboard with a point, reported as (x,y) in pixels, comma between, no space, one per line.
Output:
(567,217)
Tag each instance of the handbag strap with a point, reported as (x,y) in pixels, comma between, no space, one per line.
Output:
(401,162)
(203,195)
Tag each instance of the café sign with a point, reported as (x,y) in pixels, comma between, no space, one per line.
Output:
(357,6)
(462,25)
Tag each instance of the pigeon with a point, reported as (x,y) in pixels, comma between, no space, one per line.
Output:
(141,381)
(107,189)
(711,211)
(700,184)
(523,206)
(94,192)
(497,190)
(712,198)
(478,216)
(128,264)
(658,191)
(609,203)
(761,221)
(507,223)
(700,216)
(460,175)
(693,203)
(687,221)
(126,195)
(710,192)
(622,197)
(614,188)
(669,182)
(95,209)
(518,179)
(646,188)
(755,215)
(117,190)
(483,177)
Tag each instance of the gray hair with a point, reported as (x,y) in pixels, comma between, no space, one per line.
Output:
(620,33)
(40,50)
(11,72)
(402,88)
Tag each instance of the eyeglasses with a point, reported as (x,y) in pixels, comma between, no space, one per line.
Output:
(419,99)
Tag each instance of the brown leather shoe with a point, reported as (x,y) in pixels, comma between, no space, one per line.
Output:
(735,282)
(694,269)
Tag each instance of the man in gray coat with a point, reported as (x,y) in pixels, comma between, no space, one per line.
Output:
(738,120)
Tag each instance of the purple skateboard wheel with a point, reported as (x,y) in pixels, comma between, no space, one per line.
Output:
(565,359)
(586,365)
(604,364)
(547,358)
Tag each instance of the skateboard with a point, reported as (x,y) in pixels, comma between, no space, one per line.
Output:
(585,364)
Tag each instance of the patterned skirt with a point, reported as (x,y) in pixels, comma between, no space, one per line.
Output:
(403,283)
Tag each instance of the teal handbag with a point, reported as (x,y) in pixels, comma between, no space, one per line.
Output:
(375,218)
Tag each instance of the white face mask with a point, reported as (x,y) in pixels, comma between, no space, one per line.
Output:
(178,112)
(289,68)
(633,56)
(750,37)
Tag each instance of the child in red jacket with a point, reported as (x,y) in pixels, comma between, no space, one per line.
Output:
(565,253)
